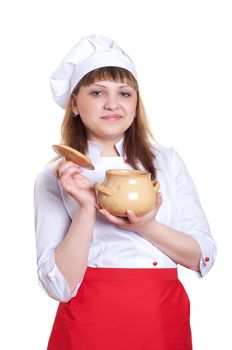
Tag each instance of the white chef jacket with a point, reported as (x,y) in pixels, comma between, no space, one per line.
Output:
(111,246)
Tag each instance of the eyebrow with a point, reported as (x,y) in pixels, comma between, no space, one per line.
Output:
(120,87)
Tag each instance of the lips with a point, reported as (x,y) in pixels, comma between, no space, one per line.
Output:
(112,117)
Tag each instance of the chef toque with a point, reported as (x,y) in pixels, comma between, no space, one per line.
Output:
(90,53)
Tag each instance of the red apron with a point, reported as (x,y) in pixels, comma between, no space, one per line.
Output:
(124,309)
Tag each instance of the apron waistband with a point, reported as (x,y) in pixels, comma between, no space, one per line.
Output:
(130,274)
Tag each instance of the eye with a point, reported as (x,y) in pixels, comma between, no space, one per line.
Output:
(96,93)
(125,93)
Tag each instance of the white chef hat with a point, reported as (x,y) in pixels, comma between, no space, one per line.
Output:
(89,53)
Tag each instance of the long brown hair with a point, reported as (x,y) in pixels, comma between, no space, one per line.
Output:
(137,139)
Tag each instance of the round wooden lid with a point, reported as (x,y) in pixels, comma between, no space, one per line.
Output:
(73,155)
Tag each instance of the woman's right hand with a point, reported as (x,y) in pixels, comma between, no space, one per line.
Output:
(74,183)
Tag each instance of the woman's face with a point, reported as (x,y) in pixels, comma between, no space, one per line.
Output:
(106,108)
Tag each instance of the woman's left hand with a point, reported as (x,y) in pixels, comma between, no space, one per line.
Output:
(133,222)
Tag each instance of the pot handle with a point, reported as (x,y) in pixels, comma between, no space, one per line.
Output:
(156,185)
(103,189)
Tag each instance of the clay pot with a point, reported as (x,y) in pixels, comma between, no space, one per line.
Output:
(124,190)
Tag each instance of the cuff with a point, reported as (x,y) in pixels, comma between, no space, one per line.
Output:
(54,283)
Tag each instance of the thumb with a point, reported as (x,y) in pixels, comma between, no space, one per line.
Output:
(132,217)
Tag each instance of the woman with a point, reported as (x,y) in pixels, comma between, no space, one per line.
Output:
(116,278)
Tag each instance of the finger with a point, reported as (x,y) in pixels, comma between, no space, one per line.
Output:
(62,166)
(55,172)
(71,170)
(133,219)
(159,200)
(70,173)
(68,168)
(112,218)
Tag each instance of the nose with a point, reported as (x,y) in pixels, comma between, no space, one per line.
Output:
(111,103)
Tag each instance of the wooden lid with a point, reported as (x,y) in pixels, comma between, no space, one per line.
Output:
(73,155)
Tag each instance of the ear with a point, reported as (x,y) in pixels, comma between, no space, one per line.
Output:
(74,105)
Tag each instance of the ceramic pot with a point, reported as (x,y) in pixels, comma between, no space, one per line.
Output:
(125,189)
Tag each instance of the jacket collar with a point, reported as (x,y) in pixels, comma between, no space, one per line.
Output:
(94,149)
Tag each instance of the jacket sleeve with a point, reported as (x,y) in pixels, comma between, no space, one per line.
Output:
(51,224)
(191,217)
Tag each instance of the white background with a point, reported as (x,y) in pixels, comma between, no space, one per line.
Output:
(182,51)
